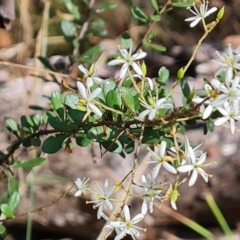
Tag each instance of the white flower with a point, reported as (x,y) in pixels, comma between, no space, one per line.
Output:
(153,107)
(81,185)
(90,75)
(213,101)
(230,113)
(229,92)
(128,60)
(152,190)
(195,166)
(201,14)
(88,97)
(230,63)
(127,226)
(160,159)
(103,198)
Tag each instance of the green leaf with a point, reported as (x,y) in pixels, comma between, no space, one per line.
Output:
(127,82)
(136,101)
(185,88)
(68,28)
(154,46)
(6,210)
(71,100)
(116,147)
(163,76)
(14,200)
(27,143)
(73,9)
(105,6)
(102,134)
(150,136)
(130,147)
(76,44)
(91,51)
(2,229)
(209,127)
(46,63)
(128,101)
(57,103)
(76,115)
(60,125)
(151,35)
(29,163)
(36,142)
(27,122)
(155,5)
(54,143)
(36,107)
(110,86)
(185,4)
(37,119)
(155,18)
(113,100)
(11,125)
(12,183)
(139,14)
(126,40)
(82,140)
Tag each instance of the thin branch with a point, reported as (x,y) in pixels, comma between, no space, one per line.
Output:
(152,24)
(36,69)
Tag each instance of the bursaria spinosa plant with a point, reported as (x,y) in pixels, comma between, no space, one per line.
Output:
(128,112)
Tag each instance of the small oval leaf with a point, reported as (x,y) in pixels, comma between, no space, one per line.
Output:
(6,210)
(14,200)
(54,143)
(29,163)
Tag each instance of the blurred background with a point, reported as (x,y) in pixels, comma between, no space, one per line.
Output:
(42,42)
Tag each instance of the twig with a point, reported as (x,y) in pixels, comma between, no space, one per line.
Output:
(152,24)
(36,69)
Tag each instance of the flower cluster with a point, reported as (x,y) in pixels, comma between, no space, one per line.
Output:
(185,160)
(175,154)
(224,95)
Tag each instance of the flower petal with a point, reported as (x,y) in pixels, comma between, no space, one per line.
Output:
(82,90)
(137,68)
(116,62)
(137,218)
(144,208)
(208,110)
(193,178)
(123,70)
(162,149)
(156,170)
(169,167)
(195,22)
(83,69)
(95,109)
(220,121)
(143,114)
(126,212)
(94,94)
(185,168)
(78,193)
(210,11)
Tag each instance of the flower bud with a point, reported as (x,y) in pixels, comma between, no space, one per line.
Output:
(91,70)
(144,68)
(180,73)
(220,13)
